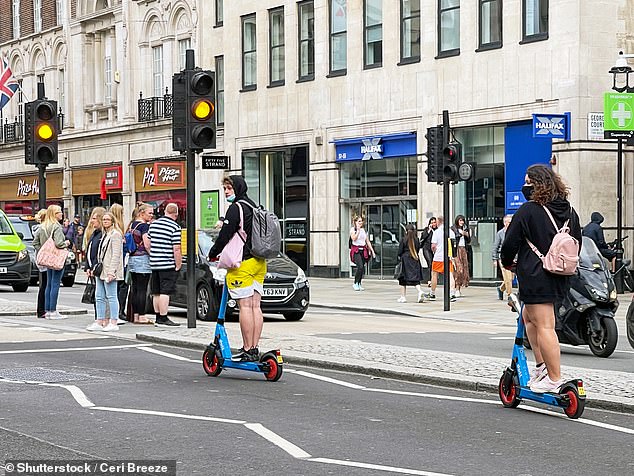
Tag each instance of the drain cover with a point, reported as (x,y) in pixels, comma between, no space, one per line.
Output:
(40,374)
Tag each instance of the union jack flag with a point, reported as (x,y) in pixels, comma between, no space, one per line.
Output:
(8,83)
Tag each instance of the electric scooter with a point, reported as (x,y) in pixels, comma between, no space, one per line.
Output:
(217,355)
(513,386)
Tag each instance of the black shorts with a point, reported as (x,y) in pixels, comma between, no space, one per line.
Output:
(163,282)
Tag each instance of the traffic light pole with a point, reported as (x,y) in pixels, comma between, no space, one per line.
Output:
(445,212)
(41,181)
(191,239)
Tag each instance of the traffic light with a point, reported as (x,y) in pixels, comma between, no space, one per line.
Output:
(434,151)
(193,118)
(41,130)
(452,157)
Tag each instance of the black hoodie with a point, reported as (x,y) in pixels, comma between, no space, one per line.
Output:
(531,221)
(594,231)
(232,220)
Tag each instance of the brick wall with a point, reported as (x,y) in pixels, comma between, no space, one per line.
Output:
(26,18)
(49,15)
(6,21)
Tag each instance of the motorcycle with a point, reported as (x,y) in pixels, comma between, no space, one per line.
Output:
(586,316)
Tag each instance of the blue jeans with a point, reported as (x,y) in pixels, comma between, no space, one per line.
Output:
(106,292)
(53,280)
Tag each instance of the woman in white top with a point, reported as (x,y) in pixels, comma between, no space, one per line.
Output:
(360,251)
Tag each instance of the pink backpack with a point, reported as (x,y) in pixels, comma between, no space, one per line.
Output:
(563,255)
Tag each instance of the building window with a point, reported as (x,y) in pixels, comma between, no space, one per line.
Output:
(249,53)
(37,16)
(219,12)
(183,46)
(15,10)
(490,24)
(107,75)
(276,41)
(59,11)
(157,70)
(220,90)
(410,31)
(373,33)
(338,36)
(306,40)
(448,27)
(535,20)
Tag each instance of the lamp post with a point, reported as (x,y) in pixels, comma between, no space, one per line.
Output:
(621,84)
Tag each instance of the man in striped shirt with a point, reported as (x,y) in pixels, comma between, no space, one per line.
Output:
(166,259)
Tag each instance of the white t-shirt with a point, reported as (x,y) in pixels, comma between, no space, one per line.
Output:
(437,239)
(361,237)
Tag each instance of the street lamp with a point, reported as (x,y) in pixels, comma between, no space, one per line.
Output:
(621,84)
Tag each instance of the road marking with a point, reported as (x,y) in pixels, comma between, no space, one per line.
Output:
(72,349)
(277,440)
(569,346)
(169,414)
(79,396)
(432,395)
(330,380)
(502,338)
(378,467)
(166,354)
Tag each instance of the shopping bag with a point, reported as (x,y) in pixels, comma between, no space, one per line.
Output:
(89,292)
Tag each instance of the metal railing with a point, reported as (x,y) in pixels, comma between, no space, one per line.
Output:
(12,131)
(155,108)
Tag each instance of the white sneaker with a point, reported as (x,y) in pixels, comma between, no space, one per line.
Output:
(457,294)
(401,299)
(421,296)
(546,385)
(355,287)
(360,288)
(537,373)
(111,328)
(95,326)
(55,316)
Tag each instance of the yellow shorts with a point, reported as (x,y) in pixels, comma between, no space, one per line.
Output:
(246,279)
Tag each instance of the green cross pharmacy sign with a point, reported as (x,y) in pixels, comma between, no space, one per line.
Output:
(618,110)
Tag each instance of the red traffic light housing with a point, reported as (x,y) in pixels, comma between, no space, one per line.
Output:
(452,157)
(41,132)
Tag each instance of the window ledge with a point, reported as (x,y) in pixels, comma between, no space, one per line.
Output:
(490,46)
(534,38)
(305,79)
(448,53)
(372,66)
(340,72)
(249,88)
(276,84)
(410,60)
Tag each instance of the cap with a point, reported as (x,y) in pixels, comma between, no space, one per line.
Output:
(77,216)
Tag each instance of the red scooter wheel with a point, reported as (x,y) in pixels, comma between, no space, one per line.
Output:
(509,396)
(576,405)
(210,363)
(275,370)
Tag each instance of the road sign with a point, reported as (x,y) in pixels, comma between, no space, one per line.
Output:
(215,162)
(618,110)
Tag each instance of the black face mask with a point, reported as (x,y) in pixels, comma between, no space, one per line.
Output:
(527,190)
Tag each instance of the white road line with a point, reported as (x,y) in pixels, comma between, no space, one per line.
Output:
(377,467)
(72,349)
(432,395)
(569,346)
(79,396)
(330,380)
(171,356)
(502,338)
(169,414)
(277,440)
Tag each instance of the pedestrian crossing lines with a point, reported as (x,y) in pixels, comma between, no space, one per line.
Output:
(23,332)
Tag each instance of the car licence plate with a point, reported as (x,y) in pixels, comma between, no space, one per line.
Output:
(275,292)
(3,270)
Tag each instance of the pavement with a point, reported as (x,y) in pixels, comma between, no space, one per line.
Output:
(613,390)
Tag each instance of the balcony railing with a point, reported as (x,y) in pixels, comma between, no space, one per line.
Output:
(12,131)
(155,108)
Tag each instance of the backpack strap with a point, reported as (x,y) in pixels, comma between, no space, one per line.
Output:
(240,227)
(552,220)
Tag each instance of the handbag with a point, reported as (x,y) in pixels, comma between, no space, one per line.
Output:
(97,268)
(398,270)
(231,255)
(50,256)
(89,292)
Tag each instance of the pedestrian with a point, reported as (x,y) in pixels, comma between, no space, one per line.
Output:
(360,251)
(461,260)
(438,264)
(73,227)
(110,256)
(245,283)
(507,274)
(79,245)
(122,286)
(51,228)
(166,260)
(66,228)
(594,231)
(139,262)
(411,269)
(41,292)
(540,290)
(92,240)
(425,243)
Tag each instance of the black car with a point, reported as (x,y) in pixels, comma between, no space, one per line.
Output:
(286,289)
(26,225)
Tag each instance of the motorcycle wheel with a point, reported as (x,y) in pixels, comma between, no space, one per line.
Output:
(629,324)
(604,343)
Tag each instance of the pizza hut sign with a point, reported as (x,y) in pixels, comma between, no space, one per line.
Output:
(170,174)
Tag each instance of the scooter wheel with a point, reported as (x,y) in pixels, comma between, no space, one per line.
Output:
(210,363)
(509,397)
(576,405)
(275,370)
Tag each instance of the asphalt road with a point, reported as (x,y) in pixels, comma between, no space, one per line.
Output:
(133,400)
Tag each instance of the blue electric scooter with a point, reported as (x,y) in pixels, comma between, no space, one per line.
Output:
(513,385)
(217,355)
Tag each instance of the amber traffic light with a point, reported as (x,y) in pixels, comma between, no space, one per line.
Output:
(41,132)
(194,121)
